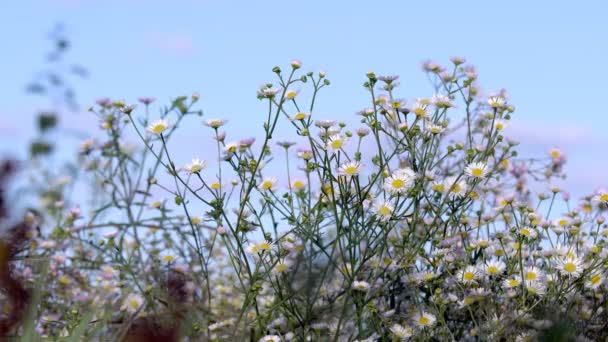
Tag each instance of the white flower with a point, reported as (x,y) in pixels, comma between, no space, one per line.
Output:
(570,266)
(401,332)
(455,188)
(132,303)
(350,169)
(215,123)
(298,184)
(196,165)
(595,280)
(399,182)
(533,274)
(336,142)
(511,282)
(268,184)
(527,232)
(601,197)
(434,129)
(476,170)
(442,101)
(360,285)
(384,210)
(494,267)
(300,116)
(158,126)
(467,275)
(270,338)
(496,101)
(420,107)
(424,319)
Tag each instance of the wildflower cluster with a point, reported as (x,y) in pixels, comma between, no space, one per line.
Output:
(417,224)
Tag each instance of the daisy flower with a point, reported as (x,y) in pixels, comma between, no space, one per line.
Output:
(298,184)
(196,165)
(467,275)
(268,184)
(158,126)
(292,93)
(570,266)
(601,197)
(594,280)
(536,287)
(215,123)
(265,246)
(533,274)
(511,282)
(300,116)
(500,124)
(424,319)
(442,101)
(455,188)
(496,101)
(401,332)
(399,182)
(350,169)
(434,129)
(270,338)
(494,267)
(528,232)
(132,303)
(360,285)
(420,107)
(336,142)
(384,210)
(476,170)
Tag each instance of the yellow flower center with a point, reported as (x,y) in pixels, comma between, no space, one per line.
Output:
(384,211)
(398,183)
(569,267)
(350,170)
(264,246)
(298,184)
(596,279)
(266,185)
(281,268)
(492,269)
(215,186)
(438,187)
(158,128)
(513,282)
(530,276)
(525,232)
(555,154)
(477,172)
(468,276)
(424,320)
(134,303)
(168,258)
(604,198)
(456,187)
(336,144)
(300,116)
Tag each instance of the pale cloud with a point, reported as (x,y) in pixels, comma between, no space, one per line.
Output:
(556,133)
(174,43)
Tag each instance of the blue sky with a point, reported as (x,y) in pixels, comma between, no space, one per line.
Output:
(550,56)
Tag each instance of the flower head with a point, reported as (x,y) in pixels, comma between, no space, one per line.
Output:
(158,126)
(476,170)
(195,166)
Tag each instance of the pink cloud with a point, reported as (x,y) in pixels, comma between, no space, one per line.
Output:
(173,43)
